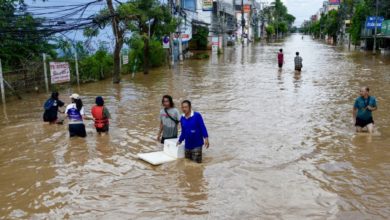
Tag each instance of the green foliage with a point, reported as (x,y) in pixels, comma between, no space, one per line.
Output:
(358,20)
(136,59)
(270,29)
(138,13)
(200,56)
(278,17)
(136,45)
(96,67)
(157,54)
(332,24)
(20,39)
(200,37)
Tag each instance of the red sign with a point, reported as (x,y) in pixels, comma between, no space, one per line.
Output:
(334,2)
(247,8)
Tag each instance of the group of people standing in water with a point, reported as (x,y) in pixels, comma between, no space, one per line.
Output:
(75,113)
(297,60)
(193,129)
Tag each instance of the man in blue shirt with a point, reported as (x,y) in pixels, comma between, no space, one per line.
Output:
(193,132)
(362,110)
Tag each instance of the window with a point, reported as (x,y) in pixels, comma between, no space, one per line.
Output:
(189,4)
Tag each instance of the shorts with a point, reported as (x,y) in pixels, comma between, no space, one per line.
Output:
(280,65)
(105,128)
(298,68)
(77,130)
(363,122)
(194,154)
(164,138)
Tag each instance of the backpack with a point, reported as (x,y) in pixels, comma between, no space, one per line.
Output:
(48,104)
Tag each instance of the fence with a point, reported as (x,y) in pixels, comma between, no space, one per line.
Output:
(31,76)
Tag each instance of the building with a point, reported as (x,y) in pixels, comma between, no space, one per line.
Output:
(216,15)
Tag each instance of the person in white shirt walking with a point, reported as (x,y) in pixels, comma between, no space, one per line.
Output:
(76,114)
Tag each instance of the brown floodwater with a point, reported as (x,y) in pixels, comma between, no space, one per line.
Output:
(282,144)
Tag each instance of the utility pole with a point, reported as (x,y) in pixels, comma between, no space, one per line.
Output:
(171,5)
(45,72)
(376,21)
(77,66)
(242,22)
(2,84)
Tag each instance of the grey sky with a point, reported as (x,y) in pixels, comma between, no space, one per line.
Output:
(302,9)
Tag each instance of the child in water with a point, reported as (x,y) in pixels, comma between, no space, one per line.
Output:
(101,116)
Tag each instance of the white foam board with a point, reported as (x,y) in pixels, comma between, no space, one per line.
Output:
(170,153)
(172,150)
(156,158)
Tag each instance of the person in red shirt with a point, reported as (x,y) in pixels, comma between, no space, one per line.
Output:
(280,58)
(101,116)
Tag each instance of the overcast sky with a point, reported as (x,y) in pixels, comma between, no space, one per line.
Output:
(302,9)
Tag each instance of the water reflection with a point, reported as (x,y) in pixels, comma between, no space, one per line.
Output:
(191,180)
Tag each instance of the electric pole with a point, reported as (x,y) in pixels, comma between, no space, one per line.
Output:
(242,22)
(376,21)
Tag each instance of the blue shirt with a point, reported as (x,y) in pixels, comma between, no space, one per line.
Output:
(361,105)
(193,130)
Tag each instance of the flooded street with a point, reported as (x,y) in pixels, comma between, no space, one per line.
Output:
(282,145)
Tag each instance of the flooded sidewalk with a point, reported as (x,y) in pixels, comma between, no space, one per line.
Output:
(282,144)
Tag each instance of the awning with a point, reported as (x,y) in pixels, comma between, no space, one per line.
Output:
(199,23)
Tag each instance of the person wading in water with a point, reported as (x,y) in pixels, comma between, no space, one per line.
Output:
(101,116)
(169,120)
(280,58)
(298,62)
(52,107)
(75,112)
(193,132)
(362,111)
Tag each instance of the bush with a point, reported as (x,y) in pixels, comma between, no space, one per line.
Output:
(201,37)
(200,56)
(270,30)
(96,67)
(157,55)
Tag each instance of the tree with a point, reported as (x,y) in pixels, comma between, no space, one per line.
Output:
(200,37)
(278,16)
(150,18)
(141,18)
(332,24)
(358,19)
(20,38)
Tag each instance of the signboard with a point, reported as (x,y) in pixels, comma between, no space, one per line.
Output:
(125,59)
(246,2)
(186,33)
(165,42)
(247,8)
(214,44)
(334,2)
(207,5)
(386,28)
(370,22)
(59,72)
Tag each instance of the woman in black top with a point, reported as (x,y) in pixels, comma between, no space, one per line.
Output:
(51,107)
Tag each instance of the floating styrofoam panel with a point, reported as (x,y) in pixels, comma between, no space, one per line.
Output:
(171,152)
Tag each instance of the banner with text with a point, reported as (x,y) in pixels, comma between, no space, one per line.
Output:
(207,5)
(371,20)
(59,72)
